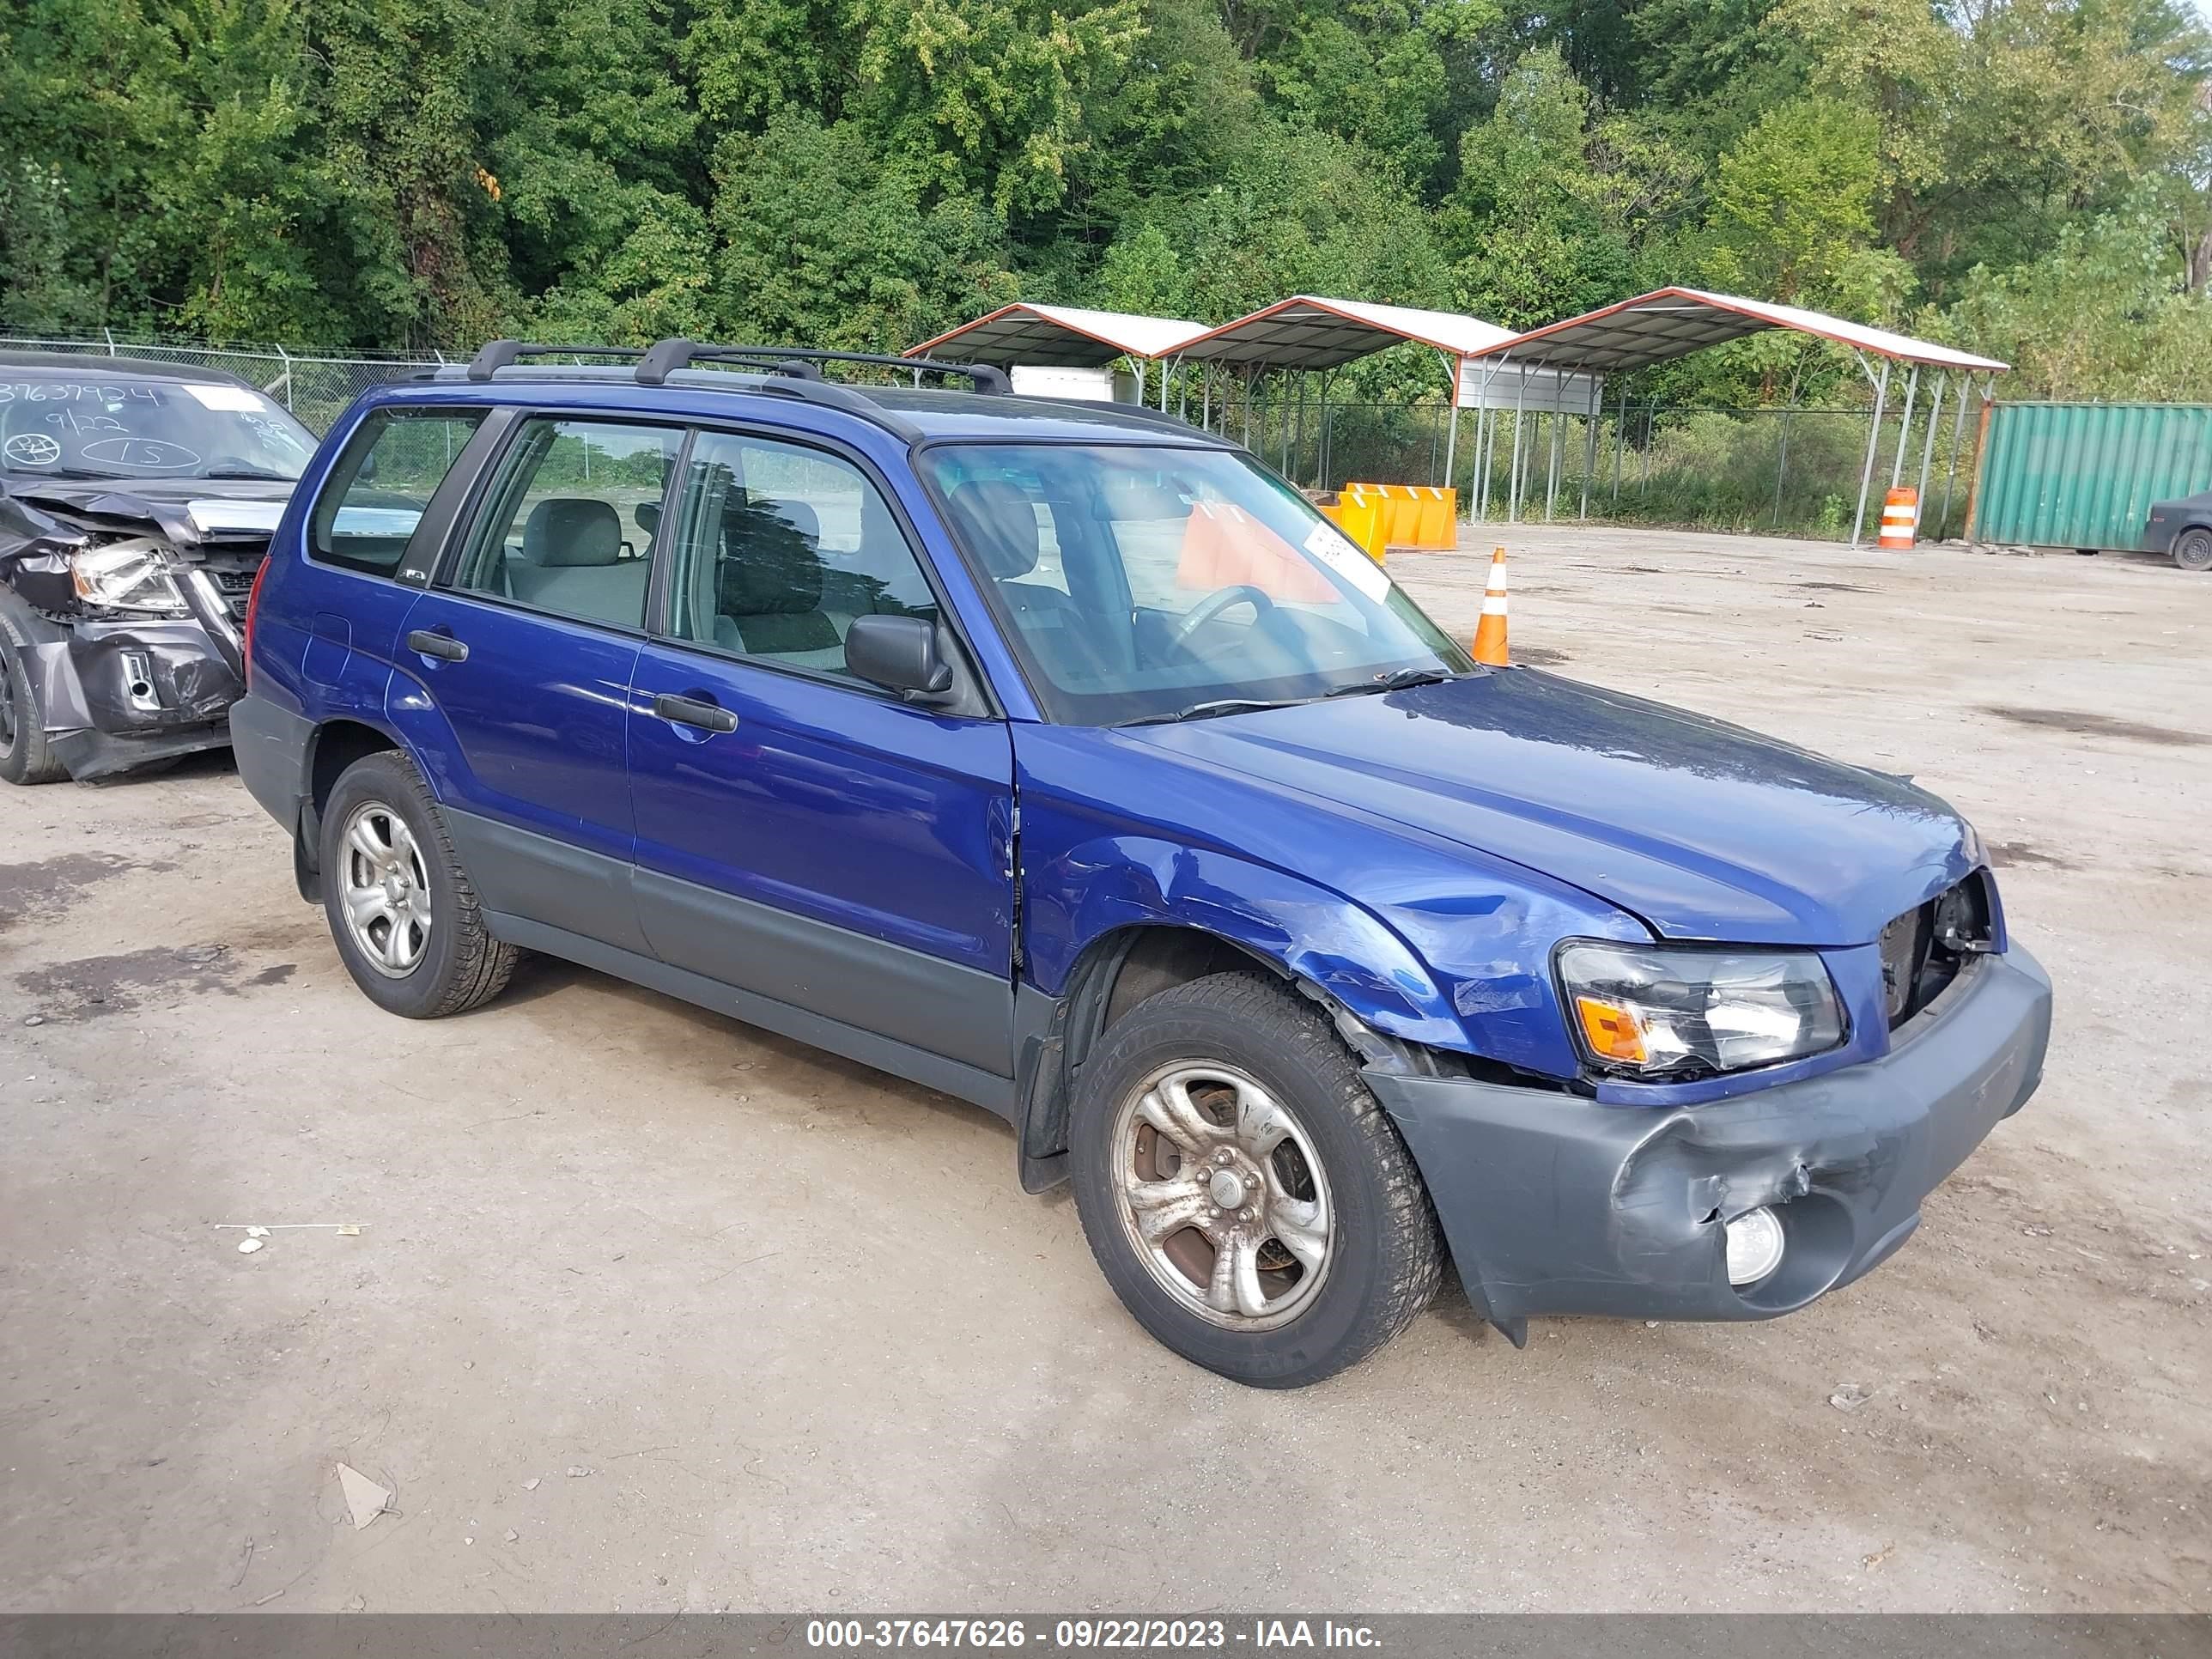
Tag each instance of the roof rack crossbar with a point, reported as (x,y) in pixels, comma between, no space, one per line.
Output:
(665,358)
(502,353)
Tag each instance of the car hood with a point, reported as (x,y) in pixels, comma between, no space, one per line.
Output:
(187,510)
(1703,830)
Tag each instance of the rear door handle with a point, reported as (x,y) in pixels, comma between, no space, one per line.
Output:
(426,642)
(690,711)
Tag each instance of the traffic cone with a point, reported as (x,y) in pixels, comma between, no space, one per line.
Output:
(1490,632)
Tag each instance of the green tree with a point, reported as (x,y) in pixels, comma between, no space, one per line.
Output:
(989,96)
(2108,315)
(1791,215)
(824,239)
(1556,201)
(1142,273)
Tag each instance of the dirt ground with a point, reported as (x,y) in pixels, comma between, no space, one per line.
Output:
(650,1311)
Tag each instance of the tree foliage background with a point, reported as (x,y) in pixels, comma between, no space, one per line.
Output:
(2030,178)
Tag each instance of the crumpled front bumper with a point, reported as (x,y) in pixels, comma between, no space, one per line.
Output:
(1553,1204)
(119,694)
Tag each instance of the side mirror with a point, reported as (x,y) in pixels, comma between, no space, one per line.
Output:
(366,472)
(898,654)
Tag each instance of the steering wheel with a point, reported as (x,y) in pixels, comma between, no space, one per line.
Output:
(1211,606)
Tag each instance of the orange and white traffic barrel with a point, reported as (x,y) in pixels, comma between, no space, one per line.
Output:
(1900,516)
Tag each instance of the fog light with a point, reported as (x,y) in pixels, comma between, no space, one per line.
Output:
(1754,1246)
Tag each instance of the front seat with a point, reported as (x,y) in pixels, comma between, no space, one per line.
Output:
(769,587)
(572,563)
(997,521)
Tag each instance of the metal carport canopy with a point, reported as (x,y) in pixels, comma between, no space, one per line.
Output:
(1061,337)
(1672,322)
(1307,331)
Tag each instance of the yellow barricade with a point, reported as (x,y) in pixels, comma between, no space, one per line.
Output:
(1359,517)
(1410,515)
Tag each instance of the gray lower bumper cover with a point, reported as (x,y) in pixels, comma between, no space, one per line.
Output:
(1553,1204)
(270,745)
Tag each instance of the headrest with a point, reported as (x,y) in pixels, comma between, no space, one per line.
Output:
(799,516)
(769,567)
(998,523)
(571,530)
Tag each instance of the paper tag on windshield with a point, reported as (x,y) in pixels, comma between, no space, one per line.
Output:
(1340,554)
(235,398)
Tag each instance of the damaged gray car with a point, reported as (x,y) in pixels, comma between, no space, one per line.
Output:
(136,502)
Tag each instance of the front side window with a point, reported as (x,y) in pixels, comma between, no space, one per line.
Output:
(85,423)
(1139,582)
(377,493)
(778,548)
(569,527)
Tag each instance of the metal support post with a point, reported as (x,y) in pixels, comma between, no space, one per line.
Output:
(1927,456)
(1958,435)
(1904,428)
(1620,439)
(1457,366)
(1873,440)
(1589,439)
(1553,458)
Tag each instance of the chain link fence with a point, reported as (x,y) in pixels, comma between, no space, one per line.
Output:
(1785,471)
(315,388)
(1774,471)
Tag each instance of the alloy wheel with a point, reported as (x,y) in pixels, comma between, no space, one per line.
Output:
(1222,1195)
(385,891)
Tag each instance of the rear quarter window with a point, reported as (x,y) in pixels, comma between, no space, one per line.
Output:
(376,495)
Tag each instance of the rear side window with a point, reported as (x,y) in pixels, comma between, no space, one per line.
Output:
(569,527)
(377,493)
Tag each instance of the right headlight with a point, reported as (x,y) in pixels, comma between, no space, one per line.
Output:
(132,576)
(1674,1012)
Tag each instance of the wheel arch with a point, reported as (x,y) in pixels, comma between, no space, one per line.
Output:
(334,746)
(1112,972)
(1384,1005)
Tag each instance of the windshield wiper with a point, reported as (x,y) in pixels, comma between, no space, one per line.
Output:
(248,472)
(1397,680)
(1199,711)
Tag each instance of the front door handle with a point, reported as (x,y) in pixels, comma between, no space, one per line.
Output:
(426,642)
(690,711)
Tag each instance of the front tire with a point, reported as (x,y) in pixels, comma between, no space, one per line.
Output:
(406,919)
(1241,1190)
(2193,550)
(24,756)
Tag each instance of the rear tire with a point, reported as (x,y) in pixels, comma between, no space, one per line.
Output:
(24,756)
(2193,550)
(1241,1190)
(404,918)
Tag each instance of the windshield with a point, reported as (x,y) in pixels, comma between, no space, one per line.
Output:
(1142,582)
(84,426)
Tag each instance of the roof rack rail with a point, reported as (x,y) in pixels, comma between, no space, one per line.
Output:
(496,355)
(811,388)
(798,364)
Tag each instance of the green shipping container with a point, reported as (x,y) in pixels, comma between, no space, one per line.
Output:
(2084,474)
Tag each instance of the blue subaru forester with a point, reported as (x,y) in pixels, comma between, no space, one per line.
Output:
(1063,758)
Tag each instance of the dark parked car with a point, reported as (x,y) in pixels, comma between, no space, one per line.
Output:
(1063,758)
(136,500)
(2182,528)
